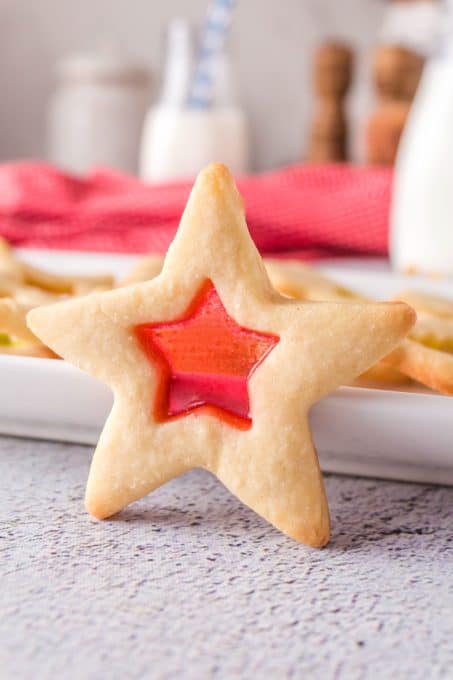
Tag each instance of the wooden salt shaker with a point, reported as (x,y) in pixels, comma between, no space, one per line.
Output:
(332,78)
(396,72)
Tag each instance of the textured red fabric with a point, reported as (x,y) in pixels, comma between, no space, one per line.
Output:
(300,210)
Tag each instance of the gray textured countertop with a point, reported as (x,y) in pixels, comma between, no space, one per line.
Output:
(190,584)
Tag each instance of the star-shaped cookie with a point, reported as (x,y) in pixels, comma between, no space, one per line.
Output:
(211,367)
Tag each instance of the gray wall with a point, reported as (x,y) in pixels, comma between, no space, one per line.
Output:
(271,45)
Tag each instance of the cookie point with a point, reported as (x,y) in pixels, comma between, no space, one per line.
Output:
(405,314)
(95,508)
(33,319)
(409,313)
(215,183)
(216,170)
(215,176)
(314,538)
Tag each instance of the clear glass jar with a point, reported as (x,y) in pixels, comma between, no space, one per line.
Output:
(96,113)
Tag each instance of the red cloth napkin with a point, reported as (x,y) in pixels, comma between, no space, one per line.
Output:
(300,210)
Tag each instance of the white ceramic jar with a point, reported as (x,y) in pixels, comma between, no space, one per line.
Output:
(97,112)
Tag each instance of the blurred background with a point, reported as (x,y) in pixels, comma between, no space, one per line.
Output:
(270,47)
(326,95)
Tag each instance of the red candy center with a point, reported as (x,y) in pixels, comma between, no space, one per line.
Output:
(205,360)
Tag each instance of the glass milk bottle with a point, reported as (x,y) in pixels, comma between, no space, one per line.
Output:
(421,239)
(96,114)
(179,139)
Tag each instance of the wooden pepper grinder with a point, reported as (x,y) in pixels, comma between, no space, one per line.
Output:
(396,72)
(332,78)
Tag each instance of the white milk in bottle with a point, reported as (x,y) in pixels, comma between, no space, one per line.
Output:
(179,139)
(421,238)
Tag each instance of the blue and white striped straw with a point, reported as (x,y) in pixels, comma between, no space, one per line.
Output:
(213,38)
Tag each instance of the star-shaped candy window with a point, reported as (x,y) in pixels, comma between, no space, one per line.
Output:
(205,361)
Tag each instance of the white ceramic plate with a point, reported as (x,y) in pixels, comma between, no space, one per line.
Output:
(391,434)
